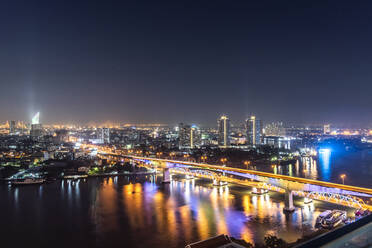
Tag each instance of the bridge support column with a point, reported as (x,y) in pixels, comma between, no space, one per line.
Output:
(288,201)
(217,182)
(166,176)
(132,163)
(259,191)
(190,177)
(308,200)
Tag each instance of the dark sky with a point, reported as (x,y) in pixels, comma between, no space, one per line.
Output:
(132,61)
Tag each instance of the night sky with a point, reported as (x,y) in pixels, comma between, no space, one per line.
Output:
(138,62)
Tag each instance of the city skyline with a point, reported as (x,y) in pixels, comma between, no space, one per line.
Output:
(171,62)
(185,123)
(239,122)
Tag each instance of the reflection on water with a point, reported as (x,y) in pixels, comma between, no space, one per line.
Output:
(142,212)
(325,161)
(107,199)
(309,166)
(189,210)
(329,165)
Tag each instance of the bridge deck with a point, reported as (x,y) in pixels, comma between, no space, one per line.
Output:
(263,174)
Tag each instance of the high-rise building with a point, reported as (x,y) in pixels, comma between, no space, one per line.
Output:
(104,135)
(254,131)
(12,127)
(327,129)
(195,136)
(36,131)
(36,119)
(21,126)
(188,136)
(223,131)
(36,128)
(184,131)
(61,136)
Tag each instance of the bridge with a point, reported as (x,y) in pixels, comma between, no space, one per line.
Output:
(341,194)
(346,195)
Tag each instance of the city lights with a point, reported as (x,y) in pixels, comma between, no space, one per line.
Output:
(185,124)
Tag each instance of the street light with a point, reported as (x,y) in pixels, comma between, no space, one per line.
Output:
(172,154)
(246,163)
(343,178)
(223,161)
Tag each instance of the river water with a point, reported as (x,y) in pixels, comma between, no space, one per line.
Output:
(330,165)
(130,211)
(141,212)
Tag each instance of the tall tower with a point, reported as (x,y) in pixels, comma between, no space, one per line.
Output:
(254,130)
(192,130)
(327,129)
(195,136)
(189,136)
(36,127)
(12,126)
(104,135)
(36,119)
(223,131)
(184,132)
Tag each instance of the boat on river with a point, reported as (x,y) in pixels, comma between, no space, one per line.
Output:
(75,177)
(320,218)
(361,213)
(332,219)
(28,181)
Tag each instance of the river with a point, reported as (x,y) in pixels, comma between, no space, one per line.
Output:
(141,212)
(330,165)
(129,211)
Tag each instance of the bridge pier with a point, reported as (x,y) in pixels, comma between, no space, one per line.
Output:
(190,177)
(259,191)
(217,182)
(132,162)
(288,201)
(166,176)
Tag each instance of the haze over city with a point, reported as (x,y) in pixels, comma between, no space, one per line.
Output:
(165,62)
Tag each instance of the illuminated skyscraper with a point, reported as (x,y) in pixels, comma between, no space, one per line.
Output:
(184,131)
(36,128)
(223,131)
(189,136)
(327,129)
(21,126)
(12,126)
(195,136)
(36,119)
(254,131)
(104,135)
(62,136)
